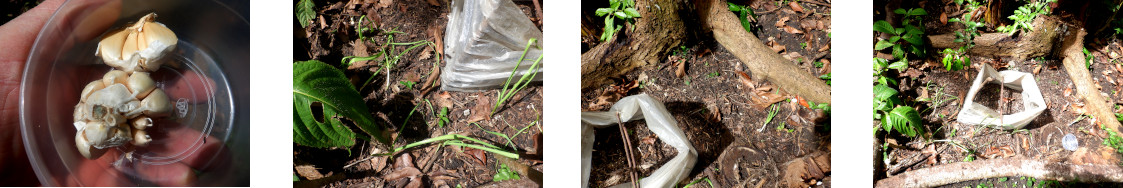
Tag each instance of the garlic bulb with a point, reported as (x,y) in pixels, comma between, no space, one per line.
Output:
(116,110)
(139,47)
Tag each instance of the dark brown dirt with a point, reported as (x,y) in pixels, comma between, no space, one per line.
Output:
(938,95)
(714,108)
(333,37)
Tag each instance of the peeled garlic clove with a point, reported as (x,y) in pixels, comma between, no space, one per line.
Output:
(156,104)
(90,88)
(84,147)
(142,122)
(141,84)
(138,47)
(141,138)
(114,77)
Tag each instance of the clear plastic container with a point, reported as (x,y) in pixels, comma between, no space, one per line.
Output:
(206,78)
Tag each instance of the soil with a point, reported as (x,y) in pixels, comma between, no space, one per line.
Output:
(332,36)
(938,95)
(714,107)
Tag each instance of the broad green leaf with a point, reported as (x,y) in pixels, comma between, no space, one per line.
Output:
(882,44)
(744,17)
(304,12)
(504,174)
(899,65)
(632,12)
(603,11)
(884,27)
(622,15)
(734,7)
(906,120)
(917,12)
(901,11)
(319,85)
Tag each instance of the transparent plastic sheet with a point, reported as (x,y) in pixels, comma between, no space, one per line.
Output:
(659,120)
(483,42)
(977,114)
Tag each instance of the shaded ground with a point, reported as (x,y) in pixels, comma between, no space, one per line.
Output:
(332,36)
(716,109)
(13,8)
(939,94)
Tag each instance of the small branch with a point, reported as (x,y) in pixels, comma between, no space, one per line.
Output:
(1009,167)
(628,151)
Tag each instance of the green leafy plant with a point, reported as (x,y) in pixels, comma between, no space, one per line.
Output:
(387,55)
(322,97)
(1088,58)
(818,64)
(956,59)
(745,14)
(713,74)
(503,174)
(509,88)
(826,77)
(1113,140)
(407,84)
(1024,15)
(624,10)
(698,181)
(771,113)
(910,37)
(893,115)
(304,12)
(442,117)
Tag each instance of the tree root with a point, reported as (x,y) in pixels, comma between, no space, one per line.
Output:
(1022,46)
(1074,64)
(659,30)
(761,61)
(1010,167)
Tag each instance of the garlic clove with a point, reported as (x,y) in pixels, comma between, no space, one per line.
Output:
(97,133)
(141,45)
(84,147)
(141,138)
(81,112)
(140,83)
(90,88)
(116,97)
(142,122)
(114,77)
(109,48)
(156,104)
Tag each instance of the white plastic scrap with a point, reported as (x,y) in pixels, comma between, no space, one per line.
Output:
(483,42)
(977,114)
(658,120)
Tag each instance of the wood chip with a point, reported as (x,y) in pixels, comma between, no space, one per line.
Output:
(308,172)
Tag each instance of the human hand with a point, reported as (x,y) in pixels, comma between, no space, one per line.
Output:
(88,20)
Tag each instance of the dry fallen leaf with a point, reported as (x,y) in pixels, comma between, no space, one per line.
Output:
(795,6)
(792,30)
(680,70)
(748,82)
(384,3)
(479,155)
(943,18)
(482,109)
(434,3)
(308,172)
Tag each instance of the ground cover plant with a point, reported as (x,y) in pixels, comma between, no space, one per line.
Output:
(1074,58)
(749,127)
(369,110)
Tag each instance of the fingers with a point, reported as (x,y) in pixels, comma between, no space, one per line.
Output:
(99,173)
(207,154)
(171,175)
(192,86)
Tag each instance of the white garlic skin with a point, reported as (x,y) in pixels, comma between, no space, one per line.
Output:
(139,47)
(115,111)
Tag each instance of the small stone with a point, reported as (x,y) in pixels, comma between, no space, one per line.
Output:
(1070,143)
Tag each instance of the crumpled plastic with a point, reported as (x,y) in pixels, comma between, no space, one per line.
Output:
(977,114)
(483,42)
(659,120)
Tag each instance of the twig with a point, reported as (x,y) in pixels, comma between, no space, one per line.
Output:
(628,151)
(816,2)
(1008,167)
